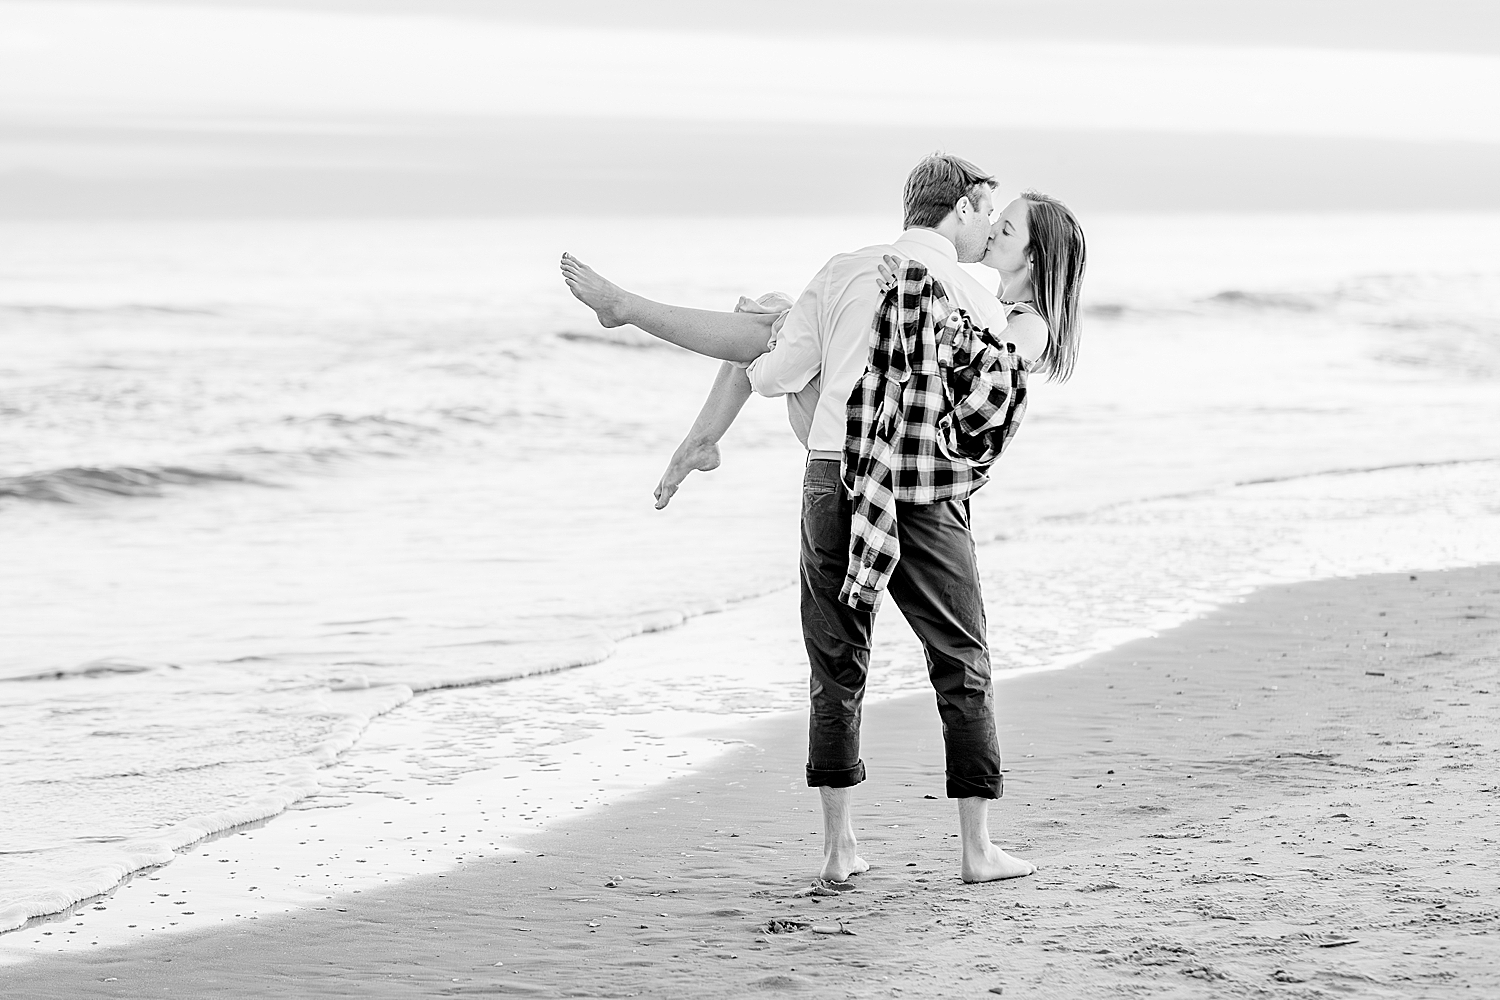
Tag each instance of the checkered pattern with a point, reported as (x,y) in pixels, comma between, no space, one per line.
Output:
(937,404)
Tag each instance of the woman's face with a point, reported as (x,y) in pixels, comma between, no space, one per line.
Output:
(1008,239)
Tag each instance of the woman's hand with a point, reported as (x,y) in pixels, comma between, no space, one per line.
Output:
(888,267)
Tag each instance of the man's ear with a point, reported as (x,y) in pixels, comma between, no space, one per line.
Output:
(963,207)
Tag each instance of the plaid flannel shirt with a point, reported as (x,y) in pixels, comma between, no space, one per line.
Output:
(939,401)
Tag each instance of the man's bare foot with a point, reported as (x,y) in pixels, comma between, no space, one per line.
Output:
(691,456)
(993,865)
(598,293)
(840,848)
(840,863)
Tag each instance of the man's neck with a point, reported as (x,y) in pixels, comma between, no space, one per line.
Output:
(936,231)
(948,230)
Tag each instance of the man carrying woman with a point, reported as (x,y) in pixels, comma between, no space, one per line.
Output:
(816,353)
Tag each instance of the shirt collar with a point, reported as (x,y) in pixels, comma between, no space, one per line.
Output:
(933,241)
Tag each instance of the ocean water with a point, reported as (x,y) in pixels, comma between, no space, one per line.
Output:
(303,521)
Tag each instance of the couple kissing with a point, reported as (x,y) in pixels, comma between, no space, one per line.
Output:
(905,379)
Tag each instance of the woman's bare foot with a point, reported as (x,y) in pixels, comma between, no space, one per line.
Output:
(603,296)
(691,456)
(993,865)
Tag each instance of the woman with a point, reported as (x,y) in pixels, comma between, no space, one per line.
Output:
(1036,244)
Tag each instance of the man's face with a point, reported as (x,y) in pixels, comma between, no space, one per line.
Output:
(974,226)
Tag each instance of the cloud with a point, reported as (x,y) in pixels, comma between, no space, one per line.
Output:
(138,61)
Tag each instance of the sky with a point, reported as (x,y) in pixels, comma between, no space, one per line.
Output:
(452,107)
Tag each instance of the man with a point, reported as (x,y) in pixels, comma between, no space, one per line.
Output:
(819,352)
(826,337)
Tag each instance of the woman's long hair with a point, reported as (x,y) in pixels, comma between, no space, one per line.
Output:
(1058,255)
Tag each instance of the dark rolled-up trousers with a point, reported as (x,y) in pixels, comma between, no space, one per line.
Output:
(936,586)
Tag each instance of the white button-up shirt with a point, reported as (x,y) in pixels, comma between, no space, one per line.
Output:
(824,343)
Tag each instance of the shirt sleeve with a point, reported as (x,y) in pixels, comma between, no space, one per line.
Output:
(797,355)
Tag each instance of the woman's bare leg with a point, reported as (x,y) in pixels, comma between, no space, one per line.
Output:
(728,336)
(700,449)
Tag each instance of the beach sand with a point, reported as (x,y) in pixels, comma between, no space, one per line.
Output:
(1294,796)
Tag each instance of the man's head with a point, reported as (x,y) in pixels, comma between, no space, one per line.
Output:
(953,196)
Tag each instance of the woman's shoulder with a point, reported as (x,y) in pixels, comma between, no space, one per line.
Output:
(1026,329)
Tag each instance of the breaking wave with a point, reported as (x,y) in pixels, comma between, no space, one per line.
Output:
(77,484)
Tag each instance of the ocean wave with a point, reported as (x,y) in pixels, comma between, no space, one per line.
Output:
(77,484)
(375,420)
(125,309)
(125,858)
(1285,301)
(624,336)
(1205,491)
(1366,469)
(1442,322)
(95,668)
(367,700)
(264,452)
(1229,299)
(1467,346)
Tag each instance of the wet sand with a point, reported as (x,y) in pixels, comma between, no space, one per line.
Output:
(1295,796)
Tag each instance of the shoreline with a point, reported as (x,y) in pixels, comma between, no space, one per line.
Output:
(1248,845)
(453,751)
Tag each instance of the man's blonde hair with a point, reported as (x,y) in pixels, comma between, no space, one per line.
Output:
(935,185)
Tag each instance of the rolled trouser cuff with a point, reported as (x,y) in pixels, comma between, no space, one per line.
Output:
(843,777)
(982,786)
